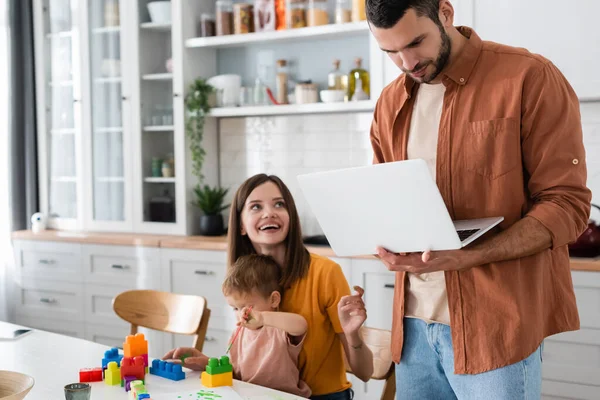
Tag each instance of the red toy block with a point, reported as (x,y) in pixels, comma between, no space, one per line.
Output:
(90,375)
(133,367)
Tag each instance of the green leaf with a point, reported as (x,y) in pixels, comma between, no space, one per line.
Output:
(210,200)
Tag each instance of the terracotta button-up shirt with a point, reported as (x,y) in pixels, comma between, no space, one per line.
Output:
(510,144)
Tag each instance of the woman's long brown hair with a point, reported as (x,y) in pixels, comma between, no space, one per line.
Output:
(297,257)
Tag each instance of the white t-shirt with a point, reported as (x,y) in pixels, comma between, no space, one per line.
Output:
(425,295)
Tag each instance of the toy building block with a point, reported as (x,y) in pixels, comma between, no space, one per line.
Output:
(136,345)
(167,370)
(127,382)
(218,366)
(133,367)
(222,379)
(112,375)
(137,388)
(90,375)
(112,355)
(144,396)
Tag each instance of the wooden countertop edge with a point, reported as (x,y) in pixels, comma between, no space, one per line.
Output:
(218,243)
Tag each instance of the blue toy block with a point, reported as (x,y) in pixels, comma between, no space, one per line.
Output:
(143,396)
(167,370)
(112,355)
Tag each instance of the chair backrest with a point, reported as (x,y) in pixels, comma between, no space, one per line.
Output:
(380,341)
(164,311)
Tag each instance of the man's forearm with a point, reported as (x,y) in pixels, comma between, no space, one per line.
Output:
(526,237)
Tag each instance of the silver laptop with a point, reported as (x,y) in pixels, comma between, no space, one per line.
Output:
(394,205)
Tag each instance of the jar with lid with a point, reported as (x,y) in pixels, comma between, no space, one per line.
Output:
(207,25)
(243,18)
(317,13)
(306,92)
(224,17)
(343,11)
(296,14)
(358,10)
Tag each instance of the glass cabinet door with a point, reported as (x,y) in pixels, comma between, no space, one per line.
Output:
(106,99)
(62,104)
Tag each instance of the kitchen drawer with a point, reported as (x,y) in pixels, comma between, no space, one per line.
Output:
(114,336)
(67,328)
(48,299)
(124,266)
(199,273)
(98,305)
(49,260)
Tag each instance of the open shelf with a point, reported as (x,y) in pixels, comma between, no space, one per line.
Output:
(167,76)
(291,109)
(56,35)
(298,34)
(62,131)
(115,129)
(109,79)
(64,179)
(153,26)
(159,180)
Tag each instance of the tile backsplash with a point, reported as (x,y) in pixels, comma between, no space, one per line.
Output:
(291,145)
(287,146)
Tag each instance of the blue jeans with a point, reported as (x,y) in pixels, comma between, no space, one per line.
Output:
(426,370)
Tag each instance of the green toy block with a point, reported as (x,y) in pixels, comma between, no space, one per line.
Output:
(218,366)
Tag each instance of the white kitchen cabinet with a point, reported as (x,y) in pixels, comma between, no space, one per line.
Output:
(61,327)
(378,282)
(48,260)
(50,299)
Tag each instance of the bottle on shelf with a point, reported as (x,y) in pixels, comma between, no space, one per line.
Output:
(280,15)
(359,93)
(282,82)
(358,73)
(243,18)
(335,79)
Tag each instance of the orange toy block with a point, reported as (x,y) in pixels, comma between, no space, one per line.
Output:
(210,381)
(133,367)
(112,375)
(135,345)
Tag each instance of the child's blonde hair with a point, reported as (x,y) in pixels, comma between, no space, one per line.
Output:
(253,272)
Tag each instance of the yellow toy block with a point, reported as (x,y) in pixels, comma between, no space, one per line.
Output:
(135,345)
(112,375)
(210,381)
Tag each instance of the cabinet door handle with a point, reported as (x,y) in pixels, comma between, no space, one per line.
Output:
(209,339)
(48,300)
(118,266)
(47,262)
(203,272)
(389,286)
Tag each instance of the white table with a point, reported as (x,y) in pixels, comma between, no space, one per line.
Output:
(55,360)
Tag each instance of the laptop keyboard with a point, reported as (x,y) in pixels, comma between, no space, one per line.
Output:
(463,234)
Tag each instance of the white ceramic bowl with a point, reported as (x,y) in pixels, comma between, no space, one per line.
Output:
(230,85)
(332,96)
(14,385)
(160,12)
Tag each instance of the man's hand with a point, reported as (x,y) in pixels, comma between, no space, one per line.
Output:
(429,261)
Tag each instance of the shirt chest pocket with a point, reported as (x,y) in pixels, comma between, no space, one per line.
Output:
(492,147)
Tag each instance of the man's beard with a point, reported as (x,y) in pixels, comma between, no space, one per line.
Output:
(442,59)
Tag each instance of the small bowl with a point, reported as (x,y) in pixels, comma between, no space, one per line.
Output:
(160,12)
(14,385)
(332,96)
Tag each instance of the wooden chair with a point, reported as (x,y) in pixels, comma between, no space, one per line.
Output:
(164,311)
(380,342)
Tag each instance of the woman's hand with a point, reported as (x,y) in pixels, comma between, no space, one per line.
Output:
(188,357)
(251,319)
(352,311)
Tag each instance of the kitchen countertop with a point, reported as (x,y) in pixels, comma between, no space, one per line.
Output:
(218,243)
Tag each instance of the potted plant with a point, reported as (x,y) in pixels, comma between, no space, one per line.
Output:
(208,199)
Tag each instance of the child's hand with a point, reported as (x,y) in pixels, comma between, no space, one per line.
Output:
(251,319)
(189,357)
(352,311)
